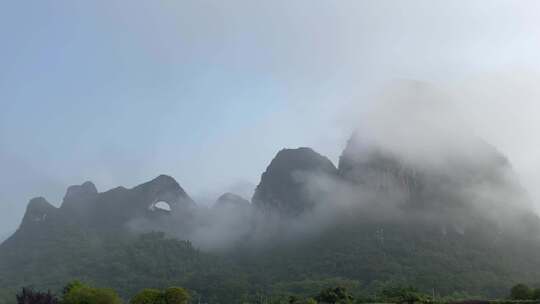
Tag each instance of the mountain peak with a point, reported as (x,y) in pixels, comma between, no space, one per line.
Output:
(162,183)
(165,188)
(38,202)
(38,210)
(283,186)
(299,159)
(164,179)
(231,200)
(85,189)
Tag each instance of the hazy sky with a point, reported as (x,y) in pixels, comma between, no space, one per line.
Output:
(118,92)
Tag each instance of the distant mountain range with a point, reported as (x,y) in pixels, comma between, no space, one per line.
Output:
(458,224)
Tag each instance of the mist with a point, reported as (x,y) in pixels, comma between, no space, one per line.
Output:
(418,161)
(278,151)
(212,107)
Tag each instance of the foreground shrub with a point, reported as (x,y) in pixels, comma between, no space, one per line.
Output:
(334,296)
(176,295)
(148,296)
(78,293)
(521,292)
(402,294)
(171,295)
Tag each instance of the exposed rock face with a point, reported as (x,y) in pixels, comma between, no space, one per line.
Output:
(87,189)
(37,225)
(457,193)
(285,185)
(79,199)
(162,189)
(84,207)
(370,166)
(461,190)
(231,200)
(38,211)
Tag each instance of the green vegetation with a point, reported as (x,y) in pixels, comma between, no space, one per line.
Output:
(334,295)
(148,296)
(355,258)
(523,292)
(400,294)
(362,264)
(7,296)
(96,238)
(171,295)
(79,293)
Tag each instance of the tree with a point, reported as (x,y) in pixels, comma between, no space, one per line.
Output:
(176,295)
(297,300)
(400,294)
(536,294)
(7,296)
(294,300)
(148,296)
(334,296)
(521,292)
(82,294)
(69,286)
(171,295)
(29,296)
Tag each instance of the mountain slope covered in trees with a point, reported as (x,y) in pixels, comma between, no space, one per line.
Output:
(458,224)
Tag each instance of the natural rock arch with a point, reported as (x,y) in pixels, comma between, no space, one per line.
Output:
(160,205)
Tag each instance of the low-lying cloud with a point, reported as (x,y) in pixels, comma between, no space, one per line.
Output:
(428,165)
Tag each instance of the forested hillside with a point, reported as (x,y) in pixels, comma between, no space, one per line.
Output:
(461,228)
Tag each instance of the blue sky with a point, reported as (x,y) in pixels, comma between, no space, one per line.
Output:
(118,92)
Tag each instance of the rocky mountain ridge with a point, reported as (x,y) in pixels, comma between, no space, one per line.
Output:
(376,217)
(289,188)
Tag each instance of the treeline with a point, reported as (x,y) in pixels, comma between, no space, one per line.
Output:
(79,293)
(341,257)
(369,271)
(523,292)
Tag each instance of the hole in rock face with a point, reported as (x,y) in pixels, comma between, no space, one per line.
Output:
(161,205)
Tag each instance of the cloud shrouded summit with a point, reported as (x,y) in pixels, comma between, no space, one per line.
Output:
(410,159)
